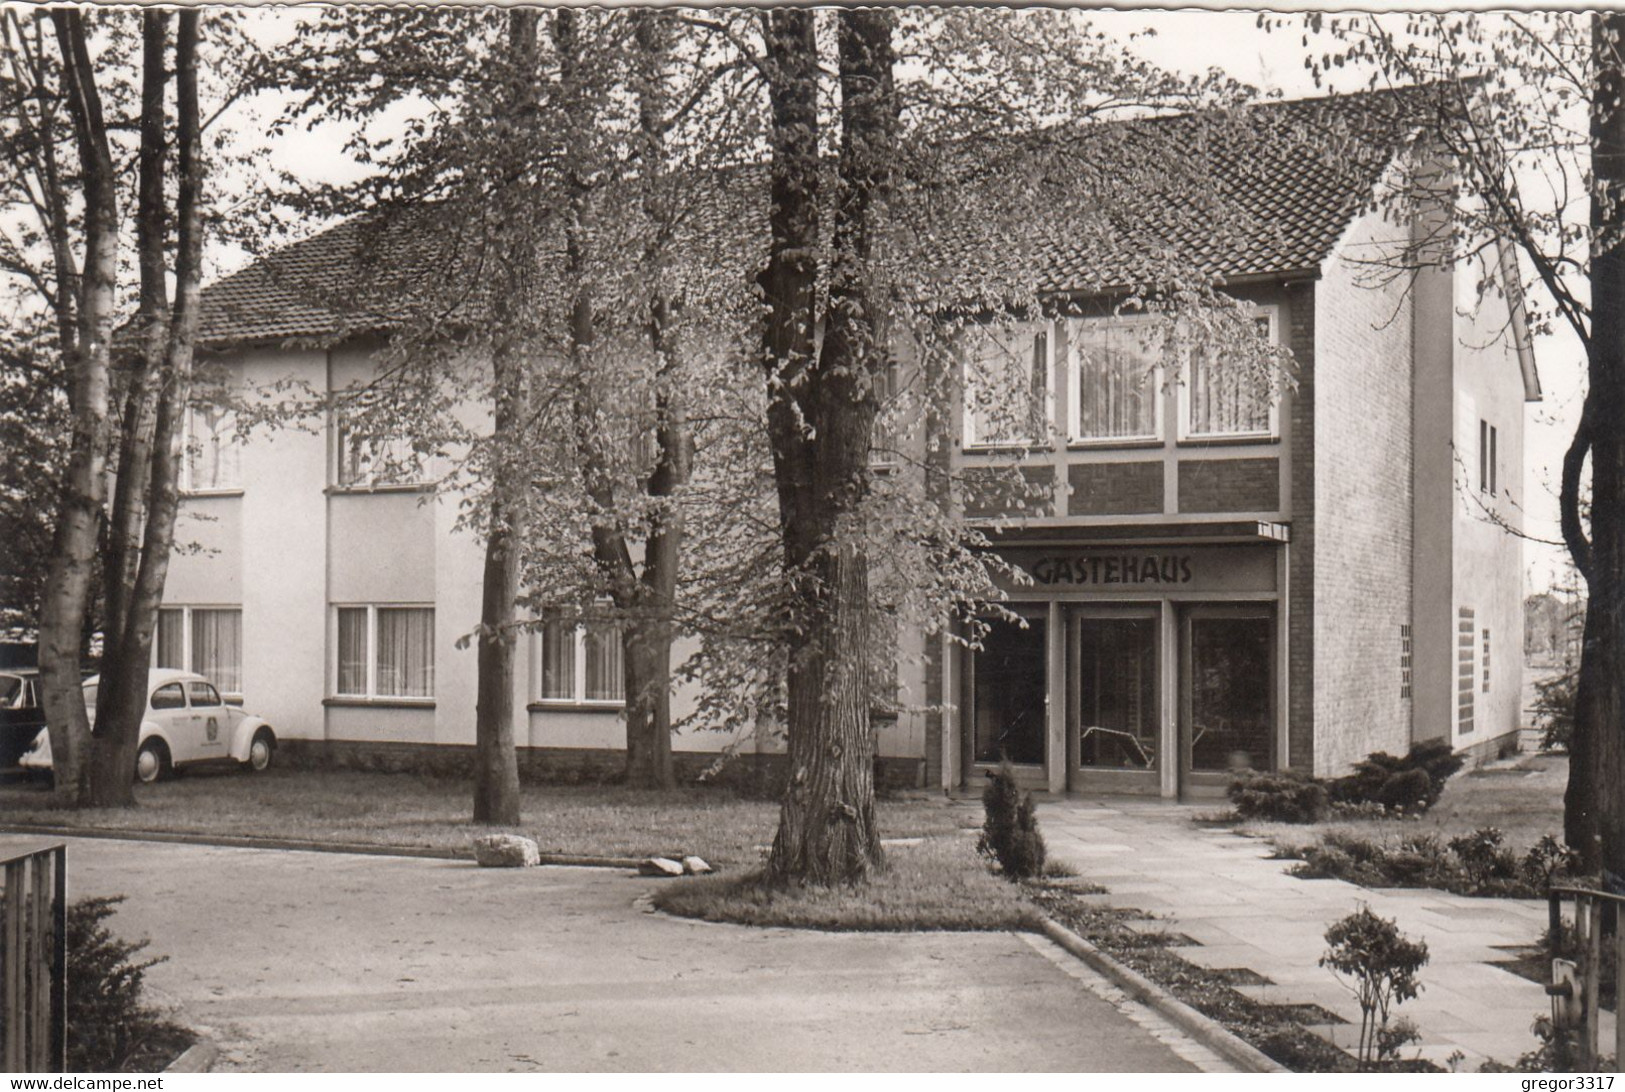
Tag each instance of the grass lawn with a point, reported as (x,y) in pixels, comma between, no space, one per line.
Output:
(939,883)
(1523,798)
(406,810)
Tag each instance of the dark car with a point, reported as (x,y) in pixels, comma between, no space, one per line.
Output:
(21,714)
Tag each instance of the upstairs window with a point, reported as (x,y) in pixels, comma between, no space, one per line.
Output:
(1007,385)
(1487,458)
(213,456)
(1224,398)
(363,456)
(1116,381)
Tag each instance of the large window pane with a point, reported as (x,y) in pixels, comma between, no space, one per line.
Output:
(1114,380)
(558,659)
(603,648)
(1228,398)
(169,641)
(352,676)
(405,662)
(1230,699)
(1007,386)
(1117,693)
(217,650)
(214,456)
(1011,684)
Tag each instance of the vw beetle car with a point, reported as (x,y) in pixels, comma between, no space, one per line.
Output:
(185,724)
(21,717)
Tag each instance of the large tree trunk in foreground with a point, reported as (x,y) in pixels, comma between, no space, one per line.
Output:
(68,583)
(827,832)
(1599,726)
(122,702)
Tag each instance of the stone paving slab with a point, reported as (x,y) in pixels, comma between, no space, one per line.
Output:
(1228,893)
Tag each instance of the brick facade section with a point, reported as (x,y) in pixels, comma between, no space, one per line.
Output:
(1114,489)
(1300,711)
(1363,389)
(992,491)
(1229,485)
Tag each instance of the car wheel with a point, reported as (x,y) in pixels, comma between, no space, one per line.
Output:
(152,762)
(262,750)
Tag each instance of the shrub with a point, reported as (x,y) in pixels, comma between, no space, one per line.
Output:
(1489,864)
(107,1024)
(1383,963)
(1010,827)
(1410,783)
(1285,797)
(1546,860)
(1554,710)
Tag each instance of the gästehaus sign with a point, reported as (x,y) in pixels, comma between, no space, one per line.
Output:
(1153,570)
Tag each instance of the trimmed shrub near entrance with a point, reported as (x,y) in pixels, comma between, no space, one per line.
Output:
(1285,797)
(1010,828)
(1381,784)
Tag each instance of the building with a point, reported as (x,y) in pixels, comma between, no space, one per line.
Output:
(1221,575)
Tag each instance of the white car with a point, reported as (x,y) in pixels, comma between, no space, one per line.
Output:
(186,723)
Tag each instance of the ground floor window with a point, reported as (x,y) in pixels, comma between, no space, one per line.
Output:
(1230,711)
(1009,687)
(1117,693)
(385,652)
(208,640)
(577,661)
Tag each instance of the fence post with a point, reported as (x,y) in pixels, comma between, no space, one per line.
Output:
(1591,911)
(33,960)
(59,962)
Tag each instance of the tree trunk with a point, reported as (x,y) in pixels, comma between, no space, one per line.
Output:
(121,705)
(65,601)
(827,832)
(1600,703)
(496,773)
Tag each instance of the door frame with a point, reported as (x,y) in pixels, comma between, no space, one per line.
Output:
(1208,784)
(1089,779)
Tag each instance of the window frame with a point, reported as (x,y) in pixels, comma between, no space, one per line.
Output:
(188,647)
(372,696)
(1074,409)
(1272,313)
(189,455)
(369,481)
(578,668)
(967,431)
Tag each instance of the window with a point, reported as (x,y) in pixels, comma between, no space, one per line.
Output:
(208,640)
(1404,661)
(213,455)
(202,694)
(385,652)
(577,662)
(1485,657)
(363,460)
(1483,456)
(169,696)
(1116,384)
(1007,386)
(1465,632)
(1228,398)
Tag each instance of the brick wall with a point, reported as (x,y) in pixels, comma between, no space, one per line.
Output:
(1302,301)
(1114,489)
(1007,491)
(1229,485)
(1362,490)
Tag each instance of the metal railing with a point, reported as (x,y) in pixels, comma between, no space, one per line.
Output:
(33,958)
(1576,986)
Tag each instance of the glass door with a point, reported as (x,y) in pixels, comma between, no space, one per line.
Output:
(1009,684)
(1227,694)
(1114,721)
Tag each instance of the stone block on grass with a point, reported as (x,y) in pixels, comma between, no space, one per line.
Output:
(696,866)
(506,851)
(660,866)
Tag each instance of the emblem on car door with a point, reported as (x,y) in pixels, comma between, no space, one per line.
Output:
(214,729)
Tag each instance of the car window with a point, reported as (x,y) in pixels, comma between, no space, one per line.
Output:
(11,688)
(169,697)
(202,693)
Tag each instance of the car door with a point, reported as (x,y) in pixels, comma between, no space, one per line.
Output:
(168,710)
(213,727)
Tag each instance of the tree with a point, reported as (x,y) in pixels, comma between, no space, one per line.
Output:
(1530,119)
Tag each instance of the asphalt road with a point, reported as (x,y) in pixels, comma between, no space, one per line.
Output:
(313,961)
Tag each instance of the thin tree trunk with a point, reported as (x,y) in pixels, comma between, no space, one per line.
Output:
(118,727)
(66,597)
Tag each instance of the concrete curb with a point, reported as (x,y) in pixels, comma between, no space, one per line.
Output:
(232,841)
(1205,1030)
(197,1058)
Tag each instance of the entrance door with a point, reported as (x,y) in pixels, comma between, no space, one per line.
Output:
(1227,695)
(1009,688)
(1114,721)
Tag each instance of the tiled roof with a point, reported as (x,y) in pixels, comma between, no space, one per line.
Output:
(1292,174)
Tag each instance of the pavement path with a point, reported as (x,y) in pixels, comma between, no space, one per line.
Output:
(313,961)
(1243,910)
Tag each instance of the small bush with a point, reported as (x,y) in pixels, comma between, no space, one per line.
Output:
(1546,860)
(1010,827)
(108,1026)
(1285,797)
(1490,866)
(1554,710)
(1410,783)
(1383,963)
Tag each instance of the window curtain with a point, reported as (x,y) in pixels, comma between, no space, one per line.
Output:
(352,650)
(604,679)
(215,457)
(217,648)
(405,652)
(558,659)
(169,645)
(1226,401)
(1006,386)
(1114,367)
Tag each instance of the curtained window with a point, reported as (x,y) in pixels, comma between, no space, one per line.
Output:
(577,662)
(217,647)
(213,456)
(1115,385)
(1226,399)
(385,652)
(1007,386)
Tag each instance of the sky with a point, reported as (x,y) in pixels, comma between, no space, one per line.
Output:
(1187,41)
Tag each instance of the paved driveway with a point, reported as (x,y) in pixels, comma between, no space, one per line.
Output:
(314,961)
